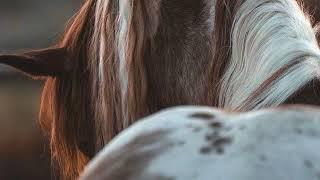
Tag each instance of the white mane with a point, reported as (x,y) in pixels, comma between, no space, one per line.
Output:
(270,40)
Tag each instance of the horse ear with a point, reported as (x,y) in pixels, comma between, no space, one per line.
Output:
(40,63)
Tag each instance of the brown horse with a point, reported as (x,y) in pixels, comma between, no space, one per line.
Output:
(119,61)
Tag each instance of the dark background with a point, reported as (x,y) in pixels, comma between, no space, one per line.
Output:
(26,24)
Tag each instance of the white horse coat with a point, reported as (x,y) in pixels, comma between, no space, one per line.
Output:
(202,143)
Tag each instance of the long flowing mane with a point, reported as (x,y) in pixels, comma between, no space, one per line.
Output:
(128,59)
(273,55)
(67,109)
(128,63)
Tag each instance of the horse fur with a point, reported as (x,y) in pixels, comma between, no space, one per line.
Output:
(204,143)
(124,60)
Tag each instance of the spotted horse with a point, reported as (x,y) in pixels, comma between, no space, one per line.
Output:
(203,143)
(122,60)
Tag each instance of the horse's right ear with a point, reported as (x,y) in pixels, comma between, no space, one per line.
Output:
(41,63)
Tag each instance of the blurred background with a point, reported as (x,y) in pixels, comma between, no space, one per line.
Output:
(26,24)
